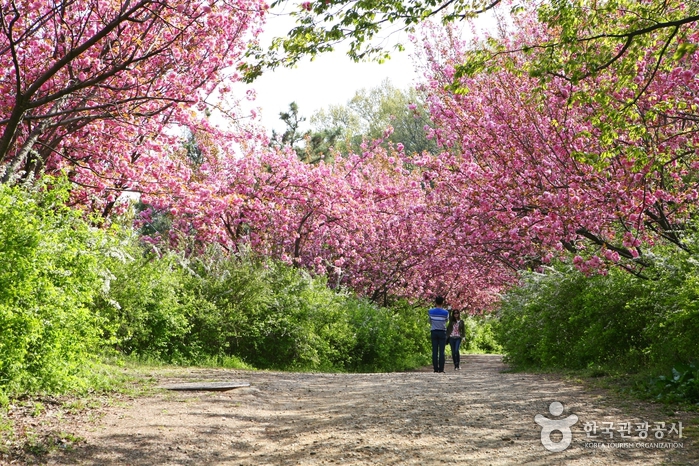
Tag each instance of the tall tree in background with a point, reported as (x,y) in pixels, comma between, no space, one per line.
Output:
(369,114)
(292,136)
(311,146)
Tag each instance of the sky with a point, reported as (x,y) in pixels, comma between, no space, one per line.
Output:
(331,79)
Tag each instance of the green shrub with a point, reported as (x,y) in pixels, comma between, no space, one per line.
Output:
(566,319)
(268,314)
(480,335)
(681,385)
(219,307)
(389,338)
(50,271)
(646,325)
(272,315)
(146,304)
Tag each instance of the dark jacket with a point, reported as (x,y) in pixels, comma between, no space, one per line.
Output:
(462,328)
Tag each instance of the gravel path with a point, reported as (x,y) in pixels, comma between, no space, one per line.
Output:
(479,415)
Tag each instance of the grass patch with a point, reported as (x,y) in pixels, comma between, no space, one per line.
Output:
(32,425)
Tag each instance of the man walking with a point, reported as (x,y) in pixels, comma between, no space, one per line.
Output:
(438,323)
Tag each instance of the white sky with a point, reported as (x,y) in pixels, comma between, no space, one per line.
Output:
(332,78)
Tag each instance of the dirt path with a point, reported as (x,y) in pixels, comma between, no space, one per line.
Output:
(479,415)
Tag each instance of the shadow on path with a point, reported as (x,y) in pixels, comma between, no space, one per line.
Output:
(479,415)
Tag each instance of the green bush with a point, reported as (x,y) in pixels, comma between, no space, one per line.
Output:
(266,314)
(566,319)
(672,296)
(146,304)
(480,335)
(389,338)
(272,315)
(681,385)
(619,322)
(50,271)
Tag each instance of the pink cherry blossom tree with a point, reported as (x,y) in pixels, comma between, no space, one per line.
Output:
(92,87)
(538,168)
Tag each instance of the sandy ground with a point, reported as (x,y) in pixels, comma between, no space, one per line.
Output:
(479,415)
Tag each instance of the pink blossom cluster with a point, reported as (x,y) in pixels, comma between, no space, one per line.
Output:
(365,221)
(532,171)
(95,88)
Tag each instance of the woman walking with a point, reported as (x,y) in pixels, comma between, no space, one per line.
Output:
(455,333)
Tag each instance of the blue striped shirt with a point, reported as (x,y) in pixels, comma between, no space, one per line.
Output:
(438,318)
